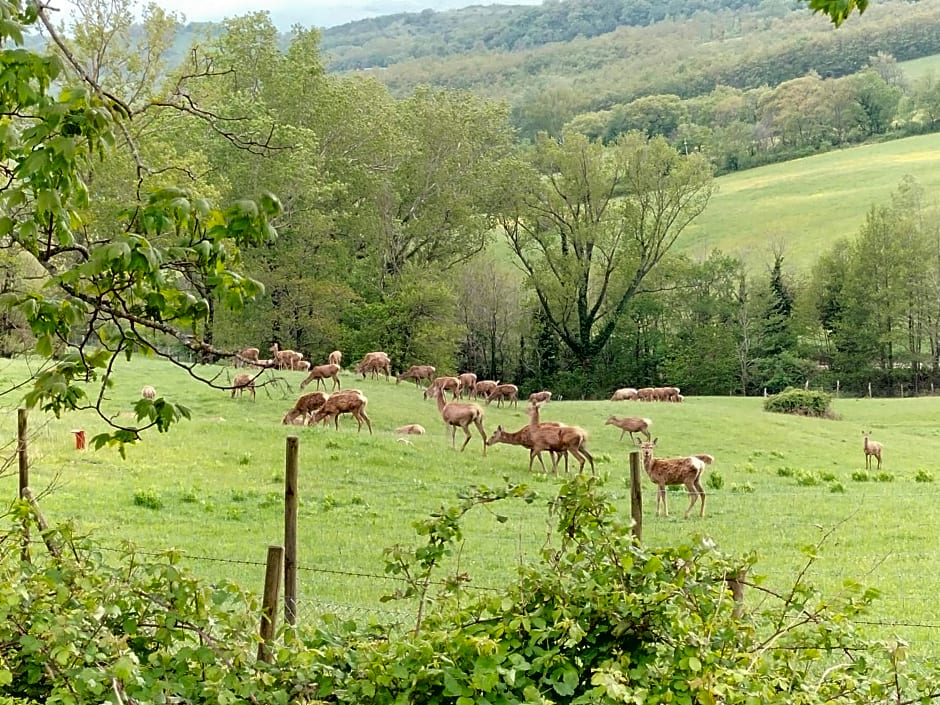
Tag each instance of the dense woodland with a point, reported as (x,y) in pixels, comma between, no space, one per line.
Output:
(450,228)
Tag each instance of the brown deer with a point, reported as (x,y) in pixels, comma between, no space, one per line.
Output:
(676,471)
(418,373)
(457,413)
(872,450)
(631,425)
(509,392)
(547,436)
(374,363)
(350,401)
(321,373)
(335,358)
(523,437)
(243,381)
(468,383)
(447,384)
(305,406)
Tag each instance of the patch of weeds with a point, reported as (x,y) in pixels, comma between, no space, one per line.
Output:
(755,454)
(357,500)
(233,513)
(746,488)
(827,476)
(807,479)
(714,481)
(776,454)
(277,478)
(861,476)
(331,444)
(148,498)
(328,502)
(271,499)
(749,468)
(239,495)
(191,496)
(786,472)
(334,457)
(209,507)
(245,459)
(603,458)
(923,476)
(884,477)
(837,487)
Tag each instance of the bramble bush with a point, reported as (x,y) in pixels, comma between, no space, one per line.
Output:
(803,402)
(599,618)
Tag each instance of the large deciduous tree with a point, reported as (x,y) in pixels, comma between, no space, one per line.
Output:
(587,224)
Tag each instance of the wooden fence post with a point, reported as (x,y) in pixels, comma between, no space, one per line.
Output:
(272,586)
(636,495)
(21,433)
(290,531)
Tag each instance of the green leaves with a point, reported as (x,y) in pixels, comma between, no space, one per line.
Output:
(838,10)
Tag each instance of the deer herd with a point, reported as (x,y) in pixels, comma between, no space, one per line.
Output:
(464,411)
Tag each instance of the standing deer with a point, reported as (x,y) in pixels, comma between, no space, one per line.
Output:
(676,471)
(631,425)
(872,449)
(458,413)
(350,401)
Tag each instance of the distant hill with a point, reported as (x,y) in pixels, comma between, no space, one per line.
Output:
(808,204)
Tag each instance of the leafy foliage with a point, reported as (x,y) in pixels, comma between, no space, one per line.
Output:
(599,619)
(800,401)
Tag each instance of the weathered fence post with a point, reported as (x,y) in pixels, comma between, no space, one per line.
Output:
(272,586)
(23,459)
(837,388)
(636,495)
(21,432)
(290,531)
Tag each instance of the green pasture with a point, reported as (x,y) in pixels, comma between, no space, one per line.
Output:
(916,70)
(805,205)
(213,487)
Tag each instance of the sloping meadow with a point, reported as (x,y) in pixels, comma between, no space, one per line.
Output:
(213,487)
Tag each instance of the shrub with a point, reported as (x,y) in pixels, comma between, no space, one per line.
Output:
(714,481)
(923,476)
(801,402)
(148,498)
(806,478)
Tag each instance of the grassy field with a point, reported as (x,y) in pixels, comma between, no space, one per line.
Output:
(807,204)
(213,488)
(918,69)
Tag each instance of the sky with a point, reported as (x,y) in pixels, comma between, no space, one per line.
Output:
(316,13)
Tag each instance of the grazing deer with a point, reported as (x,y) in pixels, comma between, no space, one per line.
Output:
(523,437)
(351,401)
(418,373)
(321,373)
(559,438)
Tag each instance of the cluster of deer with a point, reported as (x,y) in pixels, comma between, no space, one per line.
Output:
(648,394)
(280,360)
(537,436)
(314,407)
(467,383)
